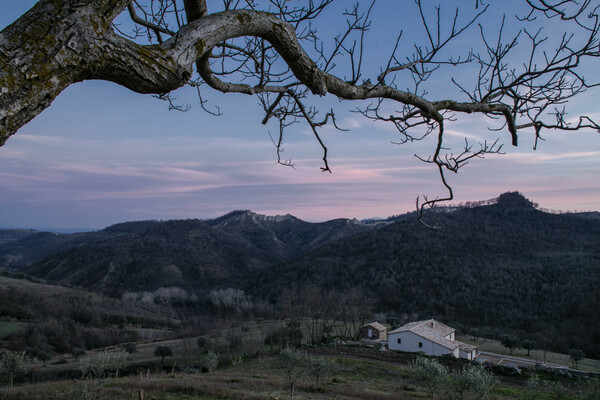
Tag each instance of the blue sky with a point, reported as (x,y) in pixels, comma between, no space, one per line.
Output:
(102,154)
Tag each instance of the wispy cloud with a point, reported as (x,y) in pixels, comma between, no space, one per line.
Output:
(39,139)
(539,157)
(14,177)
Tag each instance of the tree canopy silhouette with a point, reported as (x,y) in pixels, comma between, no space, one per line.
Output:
(519,73)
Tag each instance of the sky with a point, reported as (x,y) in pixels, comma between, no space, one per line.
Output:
(101,154)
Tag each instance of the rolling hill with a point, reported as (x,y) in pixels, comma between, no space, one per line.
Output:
(501,266)
(191,254)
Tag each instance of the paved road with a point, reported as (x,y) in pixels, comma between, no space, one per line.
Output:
(521,362)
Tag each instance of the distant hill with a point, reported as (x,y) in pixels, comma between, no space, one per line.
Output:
(285,235)
(11,235)
(19,248)
(192,254)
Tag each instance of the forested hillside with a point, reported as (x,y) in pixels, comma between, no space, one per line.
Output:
(58,319)
(500,266)
(19,248)
(192,254)
(505,267)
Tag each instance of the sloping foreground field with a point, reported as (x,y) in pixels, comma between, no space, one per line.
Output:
(351,373)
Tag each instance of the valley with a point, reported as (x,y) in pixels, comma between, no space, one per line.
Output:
(494,268)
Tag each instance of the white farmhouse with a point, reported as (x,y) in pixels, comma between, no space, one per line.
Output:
(429,337)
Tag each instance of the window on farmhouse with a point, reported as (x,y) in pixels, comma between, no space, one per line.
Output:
(399,341)
(420,344)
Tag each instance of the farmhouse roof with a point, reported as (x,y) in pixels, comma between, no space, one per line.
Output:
(426,325)
(375,325)
(432,330)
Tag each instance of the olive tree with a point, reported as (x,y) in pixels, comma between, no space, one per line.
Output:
(293,361)
(211,361)
(430,375)
(11,365)
(472,382)
(103,364)
(318,368)
(517,72)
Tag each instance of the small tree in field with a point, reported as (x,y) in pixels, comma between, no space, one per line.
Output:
(118,361)
(101,366)
(11,365)
(211,361)
(162,352)
(546,344)
(558,390)
(293,362)
(576,355)
(533,389)
(43,356)
(318,368)
(510,342)
(529,345)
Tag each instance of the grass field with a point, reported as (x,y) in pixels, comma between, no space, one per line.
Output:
(353,373)
(6,328)
(254,379)
(494,346)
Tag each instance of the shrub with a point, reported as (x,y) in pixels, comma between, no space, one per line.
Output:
(211,361)
(77,352)
(203,343)
(102,364)
(31,352)
(589,389)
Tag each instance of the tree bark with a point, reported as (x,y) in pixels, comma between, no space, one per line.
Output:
(58,43)
(61,42)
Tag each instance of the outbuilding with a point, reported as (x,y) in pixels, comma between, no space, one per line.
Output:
(373,331)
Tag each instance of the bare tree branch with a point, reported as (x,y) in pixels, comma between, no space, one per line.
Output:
(272,48)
